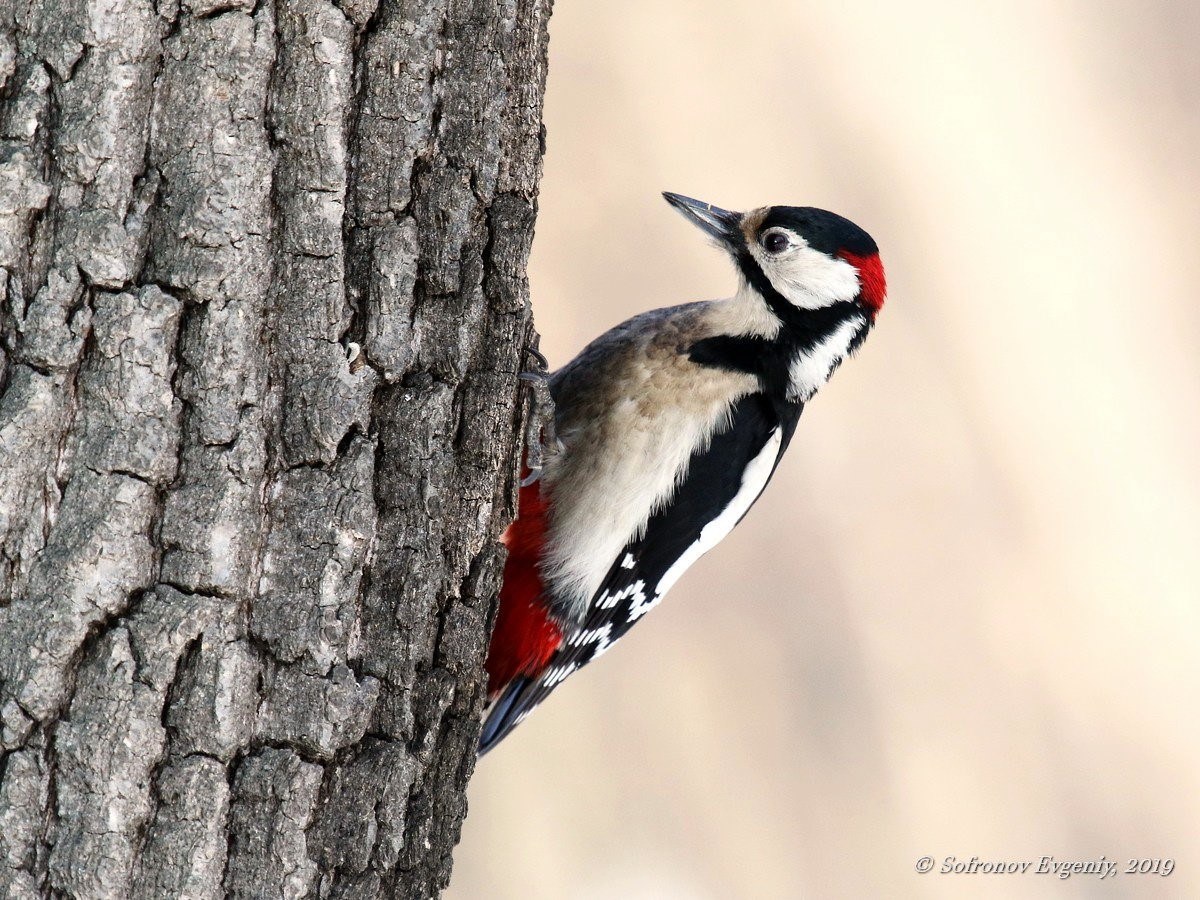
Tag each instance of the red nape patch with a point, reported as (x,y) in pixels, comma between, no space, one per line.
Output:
(870,277)
(525,637)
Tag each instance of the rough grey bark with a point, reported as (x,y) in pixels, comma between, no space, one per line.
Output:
(262,304)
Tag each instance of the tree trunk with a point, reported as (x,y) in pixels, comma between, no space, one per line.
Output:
(264,306)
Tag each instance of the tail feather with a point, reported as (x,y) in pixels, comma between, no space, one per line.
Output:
(504,714)
(525,636)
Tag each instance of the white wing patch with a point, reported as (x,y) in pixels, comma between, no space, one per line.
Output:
(754,479)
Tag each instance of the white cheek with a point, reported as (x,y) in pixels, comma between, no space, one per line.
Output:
(808,278)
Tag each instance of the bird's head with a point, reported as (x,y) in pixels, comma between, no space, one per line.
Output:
(798,258)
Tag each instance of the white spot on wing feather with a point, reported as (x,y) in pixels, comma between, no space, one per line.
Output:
(558,674)
(642,604)
(601,648)
(598,636)
(591,635)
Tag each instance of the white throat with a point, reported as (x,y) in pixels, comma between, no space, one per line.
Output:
(811,368)
(746,314)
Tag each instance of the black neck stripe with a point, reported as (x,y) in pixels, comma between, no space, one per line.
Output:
(803,329)
(770,359)
(758,280)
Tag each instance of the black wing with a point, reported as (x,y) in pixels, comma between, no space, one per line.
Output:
(673,539)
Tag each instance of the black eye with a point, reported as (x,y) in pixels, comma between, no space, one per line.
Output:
(776,242)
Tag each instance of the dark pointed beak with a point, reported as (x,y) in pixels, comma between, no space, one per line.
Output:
(722,224)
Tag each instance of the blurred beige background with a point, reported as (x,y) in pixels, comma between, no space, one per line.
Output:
(963,620)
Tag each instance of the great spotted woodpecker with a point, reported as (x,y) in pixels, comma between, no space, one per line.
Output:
(670,425)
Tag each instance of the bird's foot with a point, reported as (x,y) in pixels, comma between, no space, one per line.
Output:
(541,439)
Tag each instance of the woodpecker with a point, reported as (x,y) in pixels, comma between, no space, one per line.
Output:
(669,427)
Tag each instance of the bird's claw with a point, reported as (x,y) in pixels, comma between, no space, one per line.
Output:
(543,363)
(541,439)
